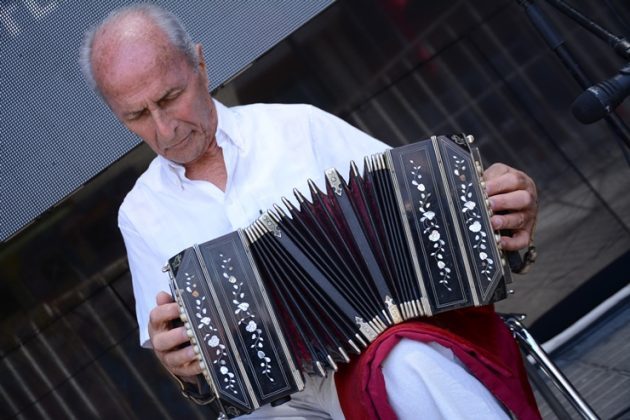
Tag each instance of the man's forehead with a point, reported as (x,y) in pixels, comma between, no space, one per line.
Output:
(134,60)
(132,41)
(129,27)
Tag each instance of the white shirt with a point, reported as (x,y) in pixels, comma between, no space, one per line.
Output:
(268,149)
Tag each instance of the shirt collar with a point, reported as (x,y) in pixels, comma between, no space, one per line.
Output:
(227,135)
(227,126)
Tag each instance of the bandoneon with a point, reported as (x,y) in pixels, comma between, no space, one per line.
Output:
(315,280)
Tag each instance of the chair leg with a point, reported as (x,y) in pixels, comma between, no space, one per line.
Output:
(530,347)
(553,401)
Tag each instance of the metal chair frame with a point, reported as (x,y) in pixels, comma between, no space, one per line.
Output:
(537,361)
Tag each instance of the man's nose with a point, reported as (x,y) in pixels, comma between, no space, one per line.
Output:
(165,125)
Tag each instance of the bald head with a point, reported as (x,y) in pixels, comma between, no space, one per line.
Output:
(122,32)
(130,45)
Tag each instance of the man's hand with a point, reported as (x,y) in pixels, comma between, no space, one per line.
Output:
(513,195)
(167,340)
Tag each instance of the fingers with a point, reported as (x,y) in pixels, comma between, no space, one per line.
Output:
(495,170)
(511,221)
(501,178)
(163,298)
(161,317)
(511,201)
(518,224)
(180,357)
(191,369)
(161,332)
(165,341)
(168,349)
(182,362)
(519,240)
(514,201)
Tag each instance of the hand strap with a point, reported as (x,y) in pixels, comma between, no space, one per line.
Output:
(522,264)
(199,392)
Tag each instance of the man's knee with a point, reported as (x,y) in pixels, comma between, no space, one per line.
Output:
(412,355)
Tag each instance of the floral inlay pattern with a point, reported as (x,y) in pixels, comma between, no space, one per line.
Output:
(472,219)
(430,227)
(209,335)
(246,317)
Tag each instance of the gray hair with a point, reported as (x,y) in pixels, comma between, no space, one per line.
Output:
(165,20)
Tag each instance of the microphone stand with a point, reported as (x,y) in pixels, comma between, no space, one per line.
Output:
(618,43)
(549,33)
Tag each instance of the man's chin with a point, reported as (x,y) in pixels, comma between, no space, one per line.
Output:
(177,160)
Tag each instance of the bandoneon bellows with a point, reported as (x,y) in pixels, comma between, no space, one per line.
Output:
(315,280)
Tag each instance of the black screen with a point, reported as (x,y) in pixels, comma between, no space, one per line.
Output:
(55,134)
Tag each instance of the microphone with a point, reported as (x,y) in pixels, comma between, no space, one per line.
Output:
(600,99)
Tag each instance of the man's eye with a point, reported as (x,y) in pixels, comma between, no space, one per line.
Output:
(136,116)
(170,97)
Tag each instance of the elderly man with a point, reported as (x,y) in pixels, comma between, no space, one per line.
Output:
(217,167)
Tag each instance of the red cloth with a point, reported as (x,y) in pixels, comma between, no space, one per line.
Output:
(477,336)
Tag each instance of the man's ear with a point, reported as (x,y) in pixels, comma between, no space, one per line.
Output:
(202,65)
(200,58)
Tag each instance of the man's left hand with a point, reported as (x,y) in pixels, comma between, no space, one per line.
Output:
(514,201)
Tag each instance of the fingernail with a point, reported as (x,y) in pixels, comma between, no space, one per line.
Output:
(190,353)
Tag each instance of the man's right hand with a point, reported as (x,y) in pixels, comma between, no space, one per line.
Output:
(167,341)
